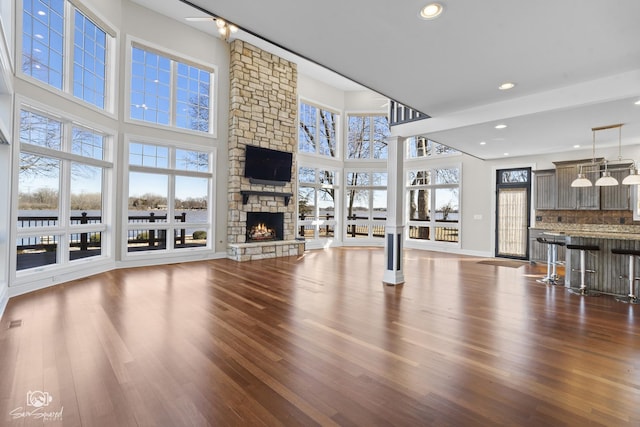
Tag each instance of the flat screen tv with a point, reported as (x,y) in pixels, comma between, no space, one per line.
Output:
(266,166)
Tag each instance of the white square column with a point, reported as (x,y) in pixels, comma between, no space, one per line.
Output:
(394,228)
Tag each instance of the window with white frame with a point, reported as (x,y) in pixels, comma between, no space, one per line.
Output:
(421,147)
(317,195)
(45,28)
(65,169)
(365,204)
(433,201)
(317,132)
(169,198)
(170,92)
(366,136)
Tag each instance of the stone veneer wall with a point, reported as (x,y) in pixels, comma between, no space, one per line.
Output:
(263,112)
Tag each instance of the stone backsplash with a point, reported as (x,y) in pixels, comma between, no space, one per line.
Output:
(618,221)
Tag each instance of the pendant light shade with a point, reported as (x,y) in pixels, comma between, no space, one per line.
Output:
(582,181)
(606,180)
(633,178)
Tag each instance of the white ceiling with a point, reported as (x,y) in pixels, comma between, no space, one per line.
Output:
(576,63)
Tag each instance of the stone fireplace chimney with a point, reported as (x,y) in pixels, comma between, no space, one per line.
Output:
(263,112)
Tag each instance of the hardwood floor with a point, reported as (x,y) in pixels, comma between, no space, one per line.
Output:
(318,340)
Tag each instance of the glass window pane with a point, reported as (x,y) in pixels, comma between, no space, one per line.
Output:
(194,112)
(358,204)
(327,177)
(419,233)
(446,234)
(148,84)
(147,197)
(306,202)
(89,63)
(379,179)
(36,251)
(307,175)
(511,176)
(85,245)
(307,136)
(419,177)
(40,130)
(447,176)
(359,137)
(381,132)
(86,194)
(191,196)
(192,160)
(419,205)
(446,204)
(42,49)
(358,178)
(38,191)
(379,204)
(87,143)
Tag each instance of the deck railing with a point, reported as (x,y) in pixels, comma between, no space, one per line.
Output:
(86,240)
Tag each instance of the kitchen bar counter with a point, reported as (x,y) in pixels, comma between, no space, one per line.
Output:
(609,267)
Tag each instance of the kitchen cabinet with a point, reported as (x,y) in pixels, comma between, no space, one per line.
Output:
(566,195)
(616,197)
(545,181)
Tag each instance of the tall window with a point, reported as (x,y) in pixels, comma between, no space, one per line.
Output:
(422,147)
(61,191)
(317,190)
(43,53)
(366,204)
(317,133)
(169,203)
(89,58)
(43,40)
(433,197)
(168,92)
(366,137)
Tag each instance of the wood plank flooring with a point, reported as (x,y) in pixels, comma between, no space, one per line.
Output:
(319,340)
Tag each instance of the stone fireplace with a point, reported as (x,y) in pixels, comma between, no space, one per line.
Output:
(263,112)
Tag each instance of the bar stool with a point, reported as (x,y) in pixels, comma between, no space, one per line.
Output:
(632,253)
(583,269)
(552,260)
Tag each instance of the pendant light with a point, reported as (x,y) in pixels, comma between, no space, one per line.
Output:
(606,179)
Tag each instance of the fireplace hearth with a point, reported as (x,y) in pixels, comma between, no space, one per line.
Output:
(264,226)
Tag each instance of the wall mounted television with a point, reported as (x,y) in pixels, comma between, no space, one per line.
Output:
(266,166)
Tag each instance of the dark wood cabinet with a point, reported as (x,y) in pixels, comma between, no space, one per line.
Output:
(545,181)
(616,197)
(567,196)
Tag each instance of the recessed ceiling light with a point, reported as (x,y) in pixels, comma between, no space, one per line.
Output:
(506,154)
(483,143)
(507,86)
(637,102)
(501,126)
(431,11)
(576,146)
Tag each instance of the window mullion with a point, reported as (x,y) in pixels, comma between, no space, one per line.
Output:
(68,51)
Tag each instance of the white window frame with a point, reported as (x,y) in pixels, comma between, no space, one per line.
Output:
(420,164)
(369,115)
(171,171)
(371,223)
(64,228)
(174,57)
(112,53)
(339,143)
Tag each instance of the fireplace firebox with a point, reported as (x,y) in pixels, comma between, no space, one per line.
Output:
(265,226)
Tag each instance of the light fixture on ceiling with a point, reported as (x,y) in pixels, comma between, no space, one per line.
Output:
(500,126)
(606,179)
(637,102)
(225,29)
(431,11)
(506,86)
